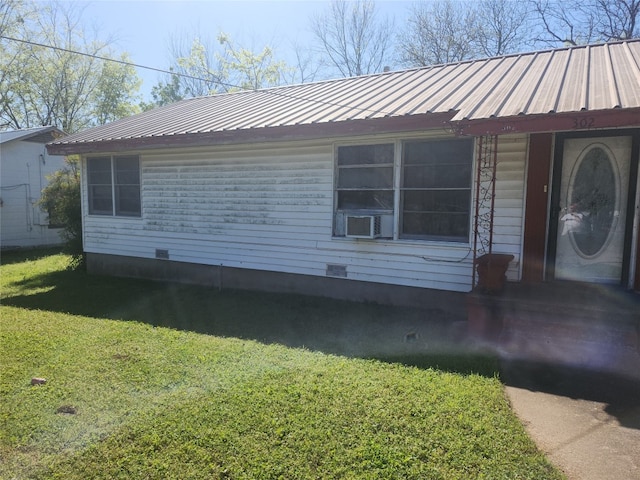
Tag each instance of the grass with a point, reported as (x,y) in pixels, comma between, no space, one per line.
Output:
(172,381)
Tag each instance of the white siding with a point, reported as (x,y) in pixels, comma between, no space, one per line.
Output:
(510,191)
(23,175)
(271,208)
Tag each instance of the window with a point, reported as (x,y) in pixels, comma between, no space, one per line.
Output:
(432,200)
(436,189)
(114,186)
(365,177)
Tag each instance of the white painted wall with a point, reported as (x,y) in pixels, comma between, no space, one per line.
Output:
(22,177)
(510,195)
(270,207)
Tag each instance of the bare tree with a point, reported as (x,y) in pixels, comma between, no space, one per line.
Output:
(577,22)
(620,19)
(563,25)
(352,38)
(502,27)
(306,67)
(438,32)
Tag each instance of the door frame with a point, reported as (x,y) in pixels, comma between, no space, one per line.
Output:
(534,246)
(554,210)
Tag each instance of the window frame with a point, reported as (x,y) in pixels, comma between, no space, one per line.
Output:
(340,212)
(116,186)
(398,189)
(362,166)
(469,188)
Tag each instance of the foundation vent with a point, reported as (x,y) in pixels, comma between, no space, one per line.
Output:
(336,270)
(162,254)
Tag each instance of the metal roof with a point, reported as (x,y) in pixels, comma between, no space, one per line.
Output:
(37,134)
(595,78)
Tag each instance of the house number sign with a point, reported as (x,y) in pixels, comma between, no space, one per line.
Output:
(583,122)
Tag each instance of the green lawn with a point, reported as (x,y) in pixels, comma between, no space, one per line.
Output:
(167,381)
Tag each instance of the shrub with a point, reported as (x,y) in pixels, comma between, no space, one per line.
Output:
(61,199)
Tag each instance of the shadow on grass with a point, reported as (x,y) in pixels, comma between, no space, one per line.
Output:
(417,337)
(413,337)
(620,394)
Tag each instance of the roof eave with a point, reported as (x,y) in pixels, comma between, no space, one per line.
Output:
(260,135)
(551,122)
(37,134)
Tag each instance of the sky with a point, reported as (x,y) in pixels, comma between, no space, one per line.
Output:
(145,28)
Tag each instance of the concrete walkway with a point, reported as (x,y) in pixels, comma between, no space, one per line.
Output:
(570,361)
(587,423)
(579,436)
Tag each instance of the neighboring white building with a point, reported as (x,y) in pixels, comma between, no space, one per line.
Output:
(383,187)
(24,167)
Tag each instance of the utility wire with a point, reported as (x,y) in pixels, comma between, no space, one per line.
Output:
(121,62)
(269,91)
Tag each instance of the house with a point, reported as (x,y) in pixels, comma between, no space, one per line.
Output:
(384,187)
(24,167)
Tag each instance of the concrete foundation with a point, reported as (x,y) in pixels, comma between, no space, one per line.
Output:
(222,277)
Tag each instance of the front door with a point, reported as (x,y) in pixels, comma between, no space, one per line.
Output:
(593,198)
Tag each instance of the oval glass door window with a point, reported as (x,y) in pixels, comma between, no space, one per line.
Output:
(593,200)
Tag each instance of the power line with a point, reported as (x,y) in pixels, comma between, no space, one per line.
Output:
(191,77)
(121,62)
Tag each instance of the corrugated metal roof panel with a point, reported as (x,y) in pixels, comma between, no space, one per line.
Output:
(412,87)
(448,85)
(547,72)
(585,78)
(572,96)
(626,69)
(525,88)
(495,90)
(602,72)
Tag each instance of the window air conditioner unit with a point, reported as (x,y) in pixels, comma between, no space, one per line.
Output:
(363,226)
